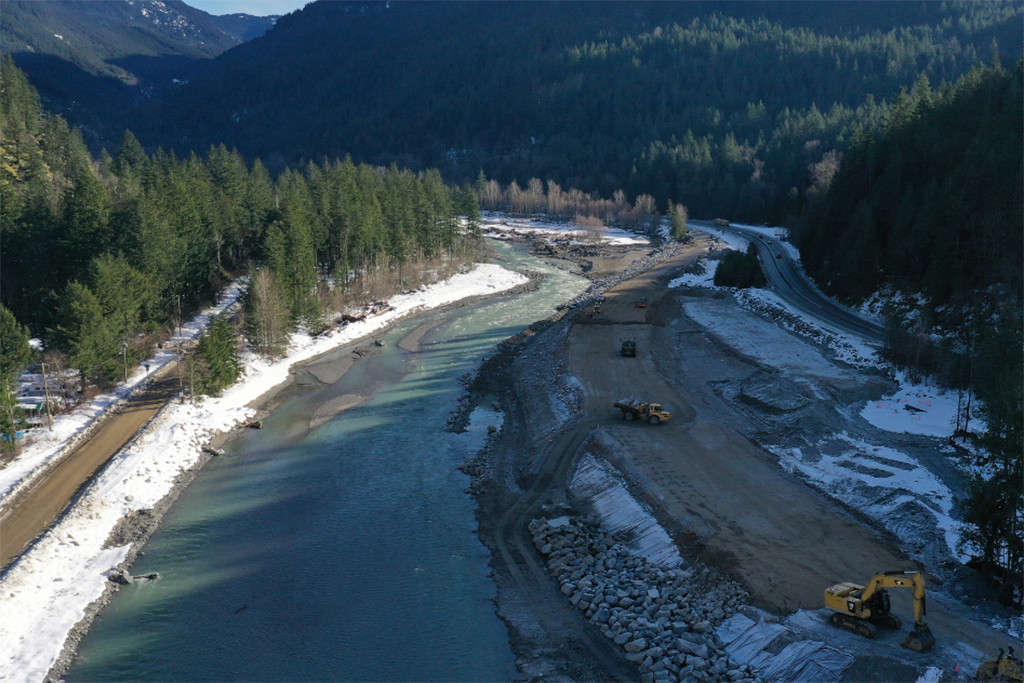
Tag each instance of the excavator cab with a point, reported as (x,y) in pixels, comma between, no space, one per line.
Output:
(860,609)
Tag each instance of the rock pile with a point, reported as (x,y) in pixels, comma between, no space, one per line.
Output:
(641,265)
(663,618)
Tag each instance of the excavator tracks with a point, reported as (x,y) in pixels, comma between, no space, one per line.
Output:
(858,626)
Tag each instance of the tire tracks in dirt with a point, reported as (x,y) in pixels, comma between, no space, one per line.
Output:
(516,556)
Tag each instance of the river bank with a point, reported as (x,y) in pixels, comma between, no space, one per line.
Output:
(370,499)
(53,592)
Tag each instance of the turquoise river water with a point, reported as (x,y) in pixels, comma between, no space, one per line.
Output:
(343,552)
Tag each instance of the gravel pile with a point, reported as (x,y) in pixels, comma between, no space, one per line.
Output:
(663,618)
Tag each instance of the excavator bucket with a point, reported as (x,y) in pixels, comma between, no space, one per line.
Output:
(920,639)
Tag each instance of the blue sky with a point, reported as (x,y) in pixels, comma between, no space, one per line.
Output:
(259,8)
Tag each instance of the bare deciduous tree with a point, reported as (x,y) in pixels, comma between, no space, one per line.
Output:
(266,315)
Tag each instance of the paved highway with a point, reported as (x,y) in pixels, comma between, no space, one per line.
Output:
(792,284)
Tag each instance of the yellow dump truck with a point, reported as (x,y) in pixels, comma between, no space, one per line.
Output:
(652,413)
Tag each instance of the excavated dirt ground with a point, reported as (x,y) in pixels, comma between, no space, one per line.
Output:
(704,474)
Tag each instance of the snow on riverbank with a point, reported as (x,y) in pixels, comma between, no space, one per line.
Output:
(41,446)
(499,225)
(46,592)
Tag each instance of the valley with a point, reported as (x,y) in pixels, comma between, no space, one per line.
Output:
(547,341)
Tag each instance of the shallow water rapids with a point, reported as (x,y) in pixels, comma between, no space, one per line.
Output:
(345,551)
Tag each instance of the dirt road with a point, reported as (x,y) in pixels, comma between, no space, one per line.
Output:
(36,509)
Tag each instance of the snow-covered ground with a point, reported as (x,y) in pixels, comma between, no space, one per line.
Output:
(42,446)
(499,225)
(762,339)
(880,481)
(846,347)
(46,592)
(884,483)
(918,409)
(704,278)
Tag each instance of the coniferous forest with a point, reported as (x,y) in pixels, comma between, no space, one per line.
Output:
(934,204)
(334,159)
(97,251)
(724,107)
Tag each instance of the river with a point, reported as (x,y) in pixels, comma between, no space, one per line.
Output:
(346,551)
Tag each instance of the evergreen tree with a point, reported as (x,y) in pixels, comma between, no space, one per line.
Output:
(741,270)
(84,333)
(994,507)
(218,352)
(15,356)
(678,215)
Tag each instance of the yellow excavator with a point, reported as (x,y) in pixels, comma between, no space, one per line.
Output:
(1002,668)
(857,608)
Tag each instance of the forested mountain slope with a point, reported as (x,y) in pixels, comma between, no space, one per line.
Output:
(92,60)
(96,251)
(96,35)
(933,204)
(721,106)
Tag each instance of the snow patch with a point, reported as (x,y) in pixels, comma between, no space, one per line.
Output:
(47,591)
(919,409)
(704,275)
(848,348)
(761,339)
(500,225)
(883,483)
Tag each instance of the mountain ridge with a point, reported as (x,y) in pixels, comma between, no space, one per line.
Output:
(91,61)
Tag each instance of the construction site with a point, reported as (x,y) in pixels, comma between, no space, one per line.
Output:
(644,524)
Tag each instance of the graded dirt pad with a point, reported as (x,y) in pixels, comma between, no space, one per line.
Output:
(779,537)
(37,508)
(727,499)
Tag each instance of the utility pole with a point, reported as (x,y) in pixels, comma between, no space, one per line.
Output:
(46,393)
(124,359)
(181,381)
(178,298)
